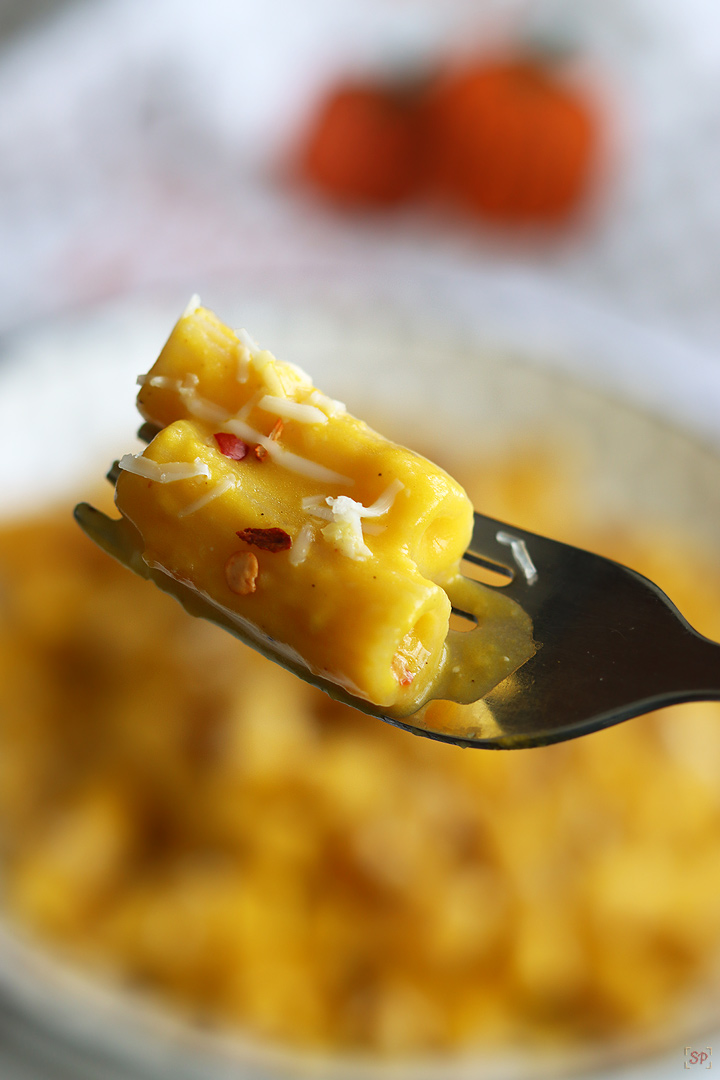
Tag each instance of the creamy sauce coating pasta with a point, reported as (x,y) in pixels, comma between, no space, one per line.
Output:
(356,542)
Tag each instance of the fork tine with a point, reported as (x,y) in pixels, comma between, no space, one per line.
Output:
(117,536)
(98,526)
(148,431)
(488,564)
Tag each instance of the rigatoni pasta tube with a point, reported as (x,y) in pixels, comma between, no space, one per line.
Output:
(275,503)
(375,625)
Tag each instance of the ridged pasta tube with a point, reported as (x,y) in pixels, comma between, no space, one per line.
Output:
(280,507)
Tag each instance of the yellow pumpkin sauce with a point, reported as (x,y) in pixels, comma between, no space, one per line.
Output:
(183,816)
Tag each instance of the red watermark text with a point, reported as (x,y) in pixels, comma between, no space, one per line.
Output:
(701,1058)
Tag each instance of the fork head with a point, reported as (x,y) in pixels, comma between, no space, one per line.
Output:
(610,645)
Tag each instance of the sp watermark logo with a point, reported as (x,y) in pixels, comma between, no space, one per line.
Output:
(698,1059)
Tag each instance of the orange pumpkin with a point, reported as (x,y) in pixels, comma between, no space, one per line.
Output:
(363,146)
(510,140)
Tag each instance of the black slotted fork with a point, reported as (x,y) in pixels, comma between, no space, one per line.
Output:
(612,645)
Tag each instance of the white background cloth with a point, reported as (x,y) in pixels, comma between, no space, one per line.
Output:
(145,141)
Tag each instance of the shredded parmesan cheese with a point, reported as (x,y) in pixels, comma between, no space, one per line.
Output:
(286,458)
(264,362)
(317,505)
(193,304)
(164,472)
(292,410)
(247,340)
(218,489)
(201,407)
(243,362)
(247,408)
(328,405)
(302,376)
(301,546)
(383,503)
(520,553)
(345,528)
(162,382)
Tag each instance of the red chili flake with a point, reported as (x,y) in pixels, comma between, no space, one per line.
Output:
(277,430)
(260,452)
(267,539)
(230,445)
